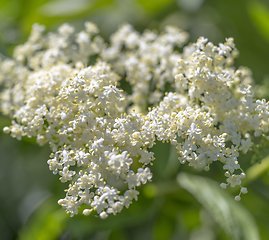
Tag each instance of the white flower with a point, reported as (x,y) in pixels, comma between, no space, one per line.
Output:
(237,198)
(87,212)
(234,180)
(54,165)
(245,90)
(243,190)
(91,28)
(103,215)
(66,174)
(70,204)
(97,131)
(245,145)
(6,130)
(231,164)
(144,175)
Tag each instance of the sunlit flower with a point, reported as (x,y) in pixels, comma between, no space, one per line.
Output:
(101,134)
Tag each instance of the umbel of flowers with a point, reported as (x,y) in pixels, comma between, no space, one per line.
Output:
(101,136)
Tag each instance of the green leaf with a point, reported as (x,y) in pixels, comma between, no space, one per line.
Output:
(259,15)
(61,8)
(154,6)
(257,170)
(53,13)
(47,223)
(231,216)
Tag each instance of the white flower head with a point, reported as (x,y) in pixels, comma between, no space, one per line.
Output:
(101,132)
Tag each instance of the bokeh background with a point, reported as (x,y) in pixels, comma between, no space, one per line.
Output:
(180,203)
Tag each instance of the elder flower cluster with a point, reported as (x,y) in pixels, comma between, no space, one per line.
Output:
(101,134)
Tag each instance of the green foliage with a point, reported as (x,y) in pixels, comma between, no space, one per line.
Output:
(258,169)
(232,217)
(259,14)
(154,6)
(47,223)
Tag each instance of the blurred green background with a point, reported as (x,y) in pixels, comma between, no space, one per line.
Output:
(180,203)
